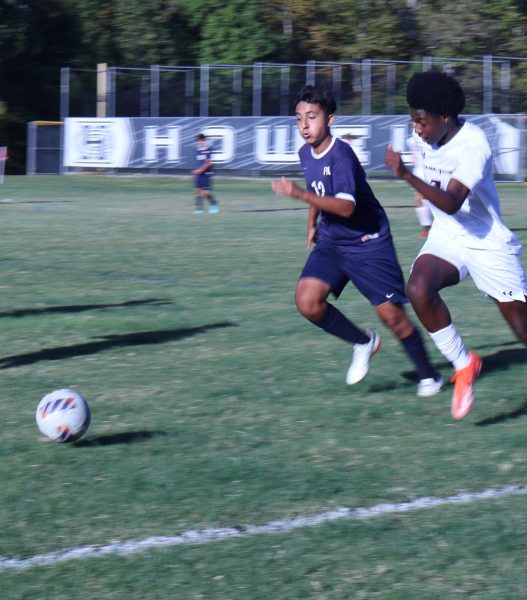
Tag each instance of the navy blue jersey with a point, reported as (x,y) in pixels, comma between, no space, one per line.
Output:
(202,156)
(337,172)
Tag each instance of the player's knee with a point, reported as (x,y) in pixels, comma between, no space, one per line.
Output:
(417,291)
(397,322)
(519,327)
(308,305)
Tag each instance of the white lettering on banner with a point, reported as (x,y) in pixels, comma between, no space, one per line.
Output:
(359,134)
(273,144)
(97,142)
(225,138)
(171,141)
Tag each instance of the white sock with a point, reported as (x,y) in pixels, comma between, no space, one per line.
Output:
(424,215)
(451,346)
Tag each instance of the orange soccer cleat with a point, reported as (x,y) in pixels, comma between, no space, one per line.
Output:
(463,396)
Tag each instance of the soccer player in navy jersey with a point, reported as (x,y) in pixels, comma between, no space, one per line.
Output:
(353,242)
(204,172)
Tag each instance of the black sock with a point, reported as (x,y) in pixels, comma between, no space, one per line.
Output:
(335,323)
(413,344)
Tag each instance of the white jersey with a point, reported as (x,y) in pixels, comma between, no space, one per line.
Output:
(467,157)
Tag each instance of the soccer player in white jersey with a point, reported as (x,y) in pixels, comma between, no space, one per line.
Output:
(353,242)
(468,236)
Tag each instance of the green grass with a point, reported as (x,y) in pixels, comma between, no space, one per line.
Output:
(214,404)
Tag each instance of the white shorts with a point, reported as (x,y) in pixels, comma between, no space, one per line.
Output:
(497,273)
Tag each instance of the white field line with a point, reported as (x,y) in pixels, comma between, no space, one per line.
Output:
(206,536)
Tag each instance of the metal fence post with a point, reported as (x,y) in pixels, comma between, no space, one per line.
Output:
(487,84)
(204,75)
(390,89)
(257,89)
(64,93)
(111,76)
(310,72)
(154,91)
(237,75)
(336,76)
(284,90)
(189,93)
(505,86)
(366,86)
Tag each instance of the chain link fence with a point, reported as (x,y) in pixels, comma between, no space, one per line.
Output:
(367,87)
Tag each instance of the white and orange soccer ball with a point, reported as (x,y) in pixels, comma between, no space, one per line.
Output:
(63,415)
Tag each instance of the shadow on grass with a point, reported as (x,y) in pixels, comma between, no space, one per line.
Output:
(107,342)
(503,359)
(506,416)
(126,437)
(75,308)
(254,209)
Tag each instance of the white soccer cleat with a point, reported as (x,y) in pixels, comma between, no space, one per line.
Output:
(362,354)
(430,386)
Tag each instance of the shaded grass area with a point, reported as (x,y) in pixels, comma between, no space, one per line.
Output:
(214,404)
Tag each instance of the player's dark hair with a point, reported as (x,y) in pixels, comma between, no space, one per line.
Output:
(314,95)
(201,136)
(436,93)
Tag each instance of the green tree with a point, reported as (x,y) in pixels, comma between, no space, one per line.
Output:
(472,29)
(37,37)
(344,30)
(124,33)
(234,32)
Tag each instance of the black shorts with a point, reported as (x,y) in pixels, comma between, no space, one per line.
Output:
(203,181)
(376,274)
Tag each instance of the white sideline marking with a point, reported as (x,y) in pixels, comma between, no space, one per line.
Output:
(206,536)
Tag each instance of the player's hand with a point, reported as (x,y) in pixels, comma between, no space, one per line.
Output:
(394,161)
(285,187)
(311,235)
(196,172)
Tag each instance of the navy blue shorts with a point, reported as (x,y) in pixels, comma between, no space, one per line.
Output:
(203,181)
(377,275)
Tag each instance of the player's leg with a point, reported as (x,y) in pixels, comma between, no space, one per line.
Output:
(423,213)
(515,313)
(311,301)
(394,317)
(500,275)
(214,206)
(321,276)
(379,278)
(198,201)
(429,275)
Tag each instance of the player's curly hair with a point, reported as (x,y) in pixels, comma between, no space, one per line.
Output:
(436,92)
(314,95)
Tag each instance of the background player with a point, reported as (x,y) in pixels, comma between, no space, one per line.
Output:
(204,172)
(468,236)
(353,243)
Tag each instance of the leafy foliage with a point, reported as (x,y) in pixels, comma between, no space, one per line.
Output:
(38,37)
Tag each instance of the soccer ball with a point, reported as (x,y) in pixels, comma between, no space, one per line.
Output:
(63,415)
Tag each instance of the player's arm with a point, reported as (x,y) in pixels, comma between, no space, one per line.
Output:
(330,204)
(449,200)
(200,170)
(312,226)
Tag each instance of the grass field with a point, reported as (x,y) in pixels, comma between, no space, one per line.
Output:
(215,405)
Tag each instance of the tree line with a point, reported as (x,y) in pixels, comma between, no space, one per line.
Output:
(39,37)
